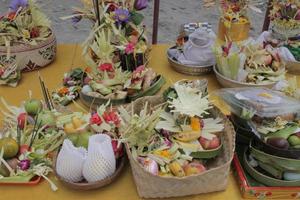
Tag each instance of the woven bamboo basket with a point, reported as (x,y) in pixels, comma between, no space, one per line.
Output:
(212,180)
(187,69)
(31,57)
(229,83)
(93,185)
(293,67)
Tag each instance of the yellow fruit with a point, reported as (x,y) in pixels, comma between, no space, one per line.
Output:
(10,147)
(176,169)
(77,122)
(187,136)
(195,124)
(69,128)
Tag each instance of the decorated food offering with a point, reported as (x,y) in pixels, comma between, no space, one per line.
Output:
(109,83)
(272,157)
(118,34)
(9,75)
(285,19)
(28,138)
(177,144)
(26,37)
(248,65)
(72,85)
(117,53)
(193,53)
(91,156)
(234,24)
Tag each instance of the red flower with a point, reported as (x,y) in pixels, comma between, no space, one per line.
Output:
(34,32)
(95,119)
(111,117)
(106,67)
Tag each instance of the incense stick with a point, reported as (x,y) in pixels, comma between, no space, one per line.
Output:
(44,92)
(97,12)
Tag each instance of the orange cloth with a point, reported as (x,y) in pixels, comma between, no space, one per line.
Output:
(123,187)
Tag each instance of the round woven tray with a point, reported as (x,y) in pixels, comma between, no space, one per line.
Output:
(94,185)
(214,179)
(229,83)
(187,69)
(31,57)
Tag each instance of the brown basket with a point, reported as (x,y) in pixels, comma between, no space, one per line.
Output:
(186,69)
(31,57)
(229,83)
(293,67)
(93,185)
(212,180)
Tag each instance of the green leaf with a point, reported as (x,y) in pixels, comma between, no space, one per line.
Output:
(136,18)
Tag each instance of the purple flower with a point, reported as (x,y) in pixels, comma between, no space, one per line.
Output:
(24,164)
(140,4)
(77,18)
(16,4)
(122,15)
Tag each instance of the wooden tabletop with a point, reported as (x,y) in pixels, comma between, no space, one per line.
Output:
(69,56)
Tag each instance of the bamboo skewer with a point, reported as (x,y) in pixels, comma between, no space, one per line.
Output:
(46,94)
(97,12)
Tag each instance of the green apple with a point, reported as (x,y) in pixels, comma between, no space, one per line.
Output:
(46,118)
(73,138)
(83,139)
(294,140)
(33,106)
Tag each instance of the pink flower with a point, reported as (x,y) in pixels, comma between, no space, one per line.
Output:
(129,48)
(95,119)
(106,67)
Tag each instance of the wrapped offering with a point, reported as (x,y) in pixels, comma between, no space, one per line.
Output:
(26,36)
(181,140)
(272,156)
(10,75)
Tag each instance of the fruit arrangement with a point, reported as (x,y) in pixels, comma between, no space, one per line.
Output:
(28,139)
(176,138)
(91,151)
(109,82)
(285,18)
(253,63)
(23,24)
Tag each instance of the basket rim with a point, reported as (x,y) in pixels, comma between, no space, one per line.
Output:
(226,121)
(25,47)
(219,75)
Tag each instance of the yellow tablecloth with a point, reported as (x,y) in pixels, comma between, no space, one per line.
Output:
(69,56)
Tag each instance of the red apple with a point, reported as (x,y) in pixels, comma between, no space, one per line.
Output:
(24,148)
(209,144)
(22,120)
(193,168)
